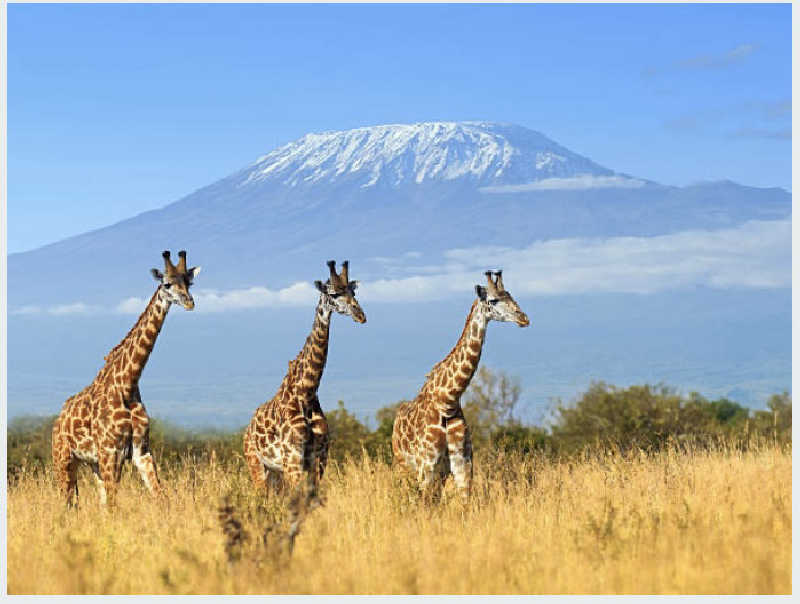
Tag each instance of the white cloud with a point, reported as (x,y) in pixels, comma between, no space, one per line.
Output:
(756,254)
(212,300)
(298,294)
(78,308)
(131,305)
(582,181)
(27,310)
(706,60)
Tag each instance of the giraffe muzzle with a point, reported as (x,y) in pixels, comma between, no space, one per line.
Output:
(523,320)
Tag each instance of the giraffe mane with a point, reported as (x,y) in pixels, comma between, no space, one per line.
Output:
(112,353)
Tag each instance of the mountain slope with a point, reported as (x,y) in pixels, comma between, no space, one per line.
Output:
(378,191)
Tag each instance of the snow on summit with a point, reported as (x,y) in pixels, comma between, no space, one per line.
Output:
(483,153)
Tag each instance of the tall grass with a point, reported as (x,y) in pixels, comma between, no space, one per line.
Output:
(694,521)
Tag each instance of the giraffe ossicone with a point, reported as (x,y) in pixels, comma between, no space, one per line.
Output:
(106,423)
(287,436)
(430,437)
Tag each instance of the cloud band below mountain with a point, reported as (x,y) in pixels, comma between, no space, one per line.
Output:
(756,255)
(583,181)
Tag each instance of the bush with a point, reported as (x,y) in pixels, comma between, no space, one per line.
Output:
(489,404)
(650,416)
(29,444)
(644,416)
(347,434)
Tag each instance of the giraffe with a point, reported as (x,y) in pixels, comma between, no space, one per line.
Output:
(430,434)
(288,434)
(106,422)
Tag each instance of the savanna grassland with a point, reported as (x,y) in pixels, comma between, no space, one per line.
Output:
(710,520)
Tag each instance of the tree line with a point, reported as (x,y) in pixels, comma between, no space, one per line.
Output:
(646,417)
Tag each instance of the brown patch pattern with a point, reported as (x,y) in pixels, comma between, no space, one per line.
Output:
(106,422)
(430,436)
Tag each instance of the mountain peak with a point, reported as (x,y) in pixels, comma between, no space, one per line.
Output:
(482,153)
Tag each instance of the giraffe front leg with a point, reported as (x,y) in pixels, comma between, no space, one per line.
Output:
(66,470)
(459,449)
(293,470)
(101,487)
(109,461)
(258,471)
(321,439)
(141,455)
(65,466)
(430,483)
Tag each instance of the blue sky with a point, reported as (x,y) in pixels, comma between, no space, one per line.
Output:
(116,109)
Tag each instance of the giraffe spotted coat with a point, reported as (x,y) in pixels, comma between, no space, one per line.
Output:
(287,437)
(106,423)
(430,437)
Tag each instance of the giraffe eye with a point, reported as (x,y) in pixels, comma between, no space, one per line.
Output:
(493,302)
(167,285)
(336,295)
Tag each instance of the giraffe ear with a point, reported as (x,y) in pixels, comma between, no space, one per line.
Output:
(320,287)
(353,285)
(481,291)
(193,272)
(157,274)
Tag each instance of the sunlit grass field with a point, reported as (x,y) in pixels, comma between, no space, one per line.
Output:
(699,522)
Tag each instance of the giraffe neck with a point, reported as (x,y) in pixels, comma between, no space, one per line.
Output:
(449,378)
(310,362)
(127,359)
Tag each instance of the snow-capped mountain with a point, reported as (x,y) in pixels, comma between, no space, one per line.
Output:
(483,153)
(403,202)
(381,191)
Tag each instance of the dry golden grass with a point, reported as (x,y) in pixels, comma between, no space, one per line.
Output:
(670,523)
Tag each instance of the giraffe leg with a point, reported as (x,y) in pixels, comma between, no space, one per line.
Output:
(320,454)
(109,460)
(293,470)
(258,471)
(275,482)
(101,487)
(66,469)
(141,455)
(430,483)
(298,452)
(65,466)
(321,439)
(459,449)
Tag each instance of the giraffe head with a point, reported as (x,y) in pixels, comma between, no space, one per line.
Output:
(338,293)
(176,280)
(498,303)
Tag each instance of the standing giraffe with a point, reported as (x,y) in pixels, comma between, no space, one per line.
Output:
(106,422)
(430,434)
(288,434)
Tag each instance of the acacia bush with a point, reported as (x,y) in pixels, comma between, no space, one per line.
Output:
(649,417)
